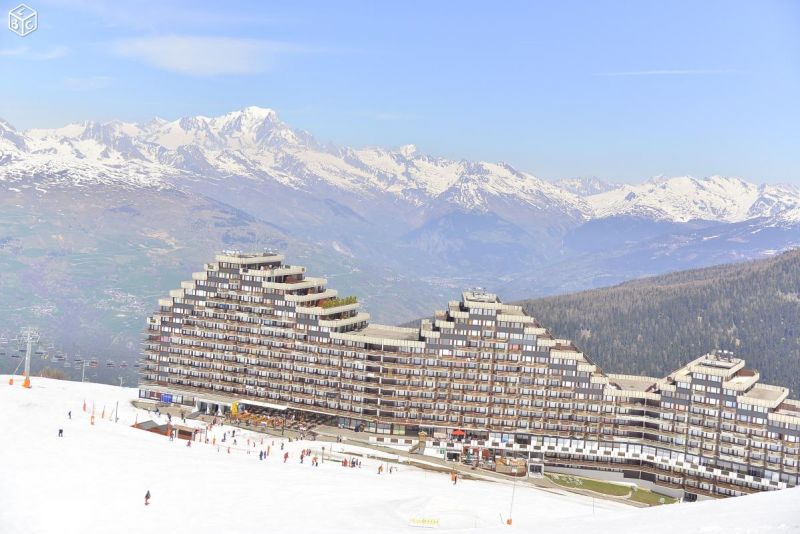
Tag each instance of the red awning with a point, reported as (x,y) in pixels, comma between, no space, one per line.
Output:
(459,433)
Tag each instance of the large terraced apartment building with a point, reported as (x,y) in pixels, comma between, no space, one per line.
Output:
(478,376)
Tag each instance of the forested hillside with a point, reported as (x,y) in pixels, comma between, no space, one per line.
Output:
(653,325)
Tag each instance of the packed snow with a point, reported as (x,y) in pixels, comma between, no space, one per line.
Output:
(94,479)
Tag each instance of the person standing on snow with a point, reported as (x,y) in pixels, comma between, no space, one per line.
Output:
(285,457)
(147,498)
(69,414)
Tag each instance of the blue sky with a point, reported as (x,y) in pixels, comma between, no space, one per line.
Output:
(619,90)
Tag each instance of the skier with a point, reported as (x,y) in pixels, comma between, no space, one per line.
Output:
(285,457)
(60,432)
(69,414)
(281,445)
(147,498)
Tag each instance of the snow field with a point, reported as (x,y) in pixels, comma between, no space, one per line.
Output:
(93,480)
(95,477)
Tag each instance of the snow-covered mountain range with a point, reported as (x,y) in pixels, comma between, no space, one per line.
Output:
(254,143)
(138,206)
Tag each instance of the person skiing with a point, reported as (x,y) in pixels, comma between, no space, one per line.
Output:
(285,457)
(60,432)
(69,414)
(147,498)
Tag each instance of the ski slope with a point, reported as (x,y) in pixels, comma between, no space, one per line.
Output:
(93,480)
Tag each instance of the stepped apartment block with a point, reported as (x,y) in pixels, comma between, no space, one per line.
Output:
(480,378)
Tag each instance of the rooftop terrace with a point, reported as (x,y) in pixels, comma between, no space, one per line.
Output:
(388,332)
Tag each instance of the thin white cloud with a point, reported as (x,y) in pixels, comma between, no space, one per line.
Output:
(204,56)
(25,52)
(12,52)
(89,83)
(667,72)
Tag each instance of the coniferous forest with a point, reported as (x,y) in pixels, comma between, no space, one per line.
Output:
(654,325)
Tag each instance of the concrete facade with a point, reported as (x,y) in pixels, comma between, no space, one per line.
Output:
(478,375)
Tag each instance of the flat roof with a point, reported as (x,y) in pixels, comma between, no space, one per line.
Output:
(762,393)
(388,332)
(633,383)
(740,379)
(789,407)
(478,295)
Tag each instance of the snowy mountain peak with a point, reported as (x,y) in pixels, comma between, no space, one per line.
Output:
(9,137)
(681,199)
(259,112)
(408,150)
(584,186)
(254,143)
